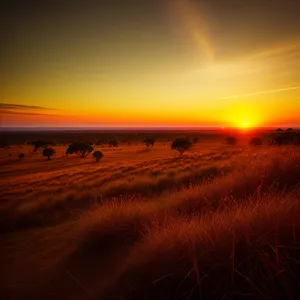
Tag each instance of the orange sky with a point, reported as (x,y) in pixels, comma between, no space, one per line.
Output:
(152,63)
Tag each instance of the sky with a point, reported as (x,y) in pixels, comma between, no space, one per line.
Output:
(150,63)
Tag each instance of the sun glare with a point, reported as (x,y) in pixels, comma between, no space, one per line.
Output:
(244,124)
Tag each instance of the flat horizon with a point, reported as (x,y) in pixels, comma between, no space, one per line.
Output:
(148,128)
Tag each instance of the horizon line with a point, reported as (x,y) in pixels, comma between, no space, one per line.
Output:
(112,128)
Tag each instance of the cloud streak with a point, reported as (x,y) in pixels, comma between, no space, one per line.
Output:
(22,107)
(11,112)
(19,109)
(262,92)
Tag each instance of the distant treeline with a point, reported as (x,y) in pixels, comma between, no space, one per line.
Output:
(103,137)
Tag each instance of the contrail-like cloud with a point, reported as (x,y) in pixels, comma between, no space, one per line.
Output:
(23,107)
(196,25)
(20,109)
(291,88)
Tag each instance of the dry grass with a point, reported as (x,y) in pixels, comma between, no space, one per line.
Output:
(218,223)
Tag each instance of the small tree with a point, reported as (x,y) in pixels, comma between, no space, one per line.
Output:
(149,142)
(231,140)
(113,143)
(279,130)
(289,129)
(195,140)
(21,155)
(286,138)
(255,141)
(80,148)
(40,144)
(181,145)
(98,155)
(48,152)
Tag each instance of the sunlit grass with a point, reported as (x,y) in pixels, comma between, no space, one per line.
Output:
(217,221)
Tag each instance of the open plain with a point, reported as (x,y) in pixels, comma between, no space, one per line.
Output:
(149,223)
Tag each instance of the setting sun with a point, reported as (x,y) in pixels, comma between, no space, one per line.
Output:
(245,124)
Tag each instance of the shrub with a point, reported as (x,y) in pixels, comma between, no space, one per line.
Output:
(255,141)
(40,144)
(181,145)
(48,152)
(113,143)
(286,138)
(195,140)
(231,140)
(98,155)
(21,155)
(80,148)
(289,130)
(149,142)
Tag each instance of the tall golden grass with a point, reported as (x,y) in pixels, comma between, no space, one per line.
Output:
(214,224)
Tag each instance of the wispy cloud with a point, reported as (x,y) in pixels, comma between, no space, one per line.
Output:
(291,88)
(11,112)
(20,109)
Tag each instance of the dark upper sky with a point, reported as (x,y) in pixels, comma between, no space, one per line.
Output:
(48,46)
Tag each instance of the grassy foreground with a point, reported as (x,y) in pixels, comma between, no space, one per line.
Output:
(217,223)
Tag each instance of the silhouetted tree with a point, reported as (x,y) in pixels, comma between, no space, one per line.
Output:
(40,144)
(231,140)
(195,140)
(149,142)
(98,155)
(113,143)
(80,148)
(21,155)
(181,145)
(279,129)
(255,141)
(286,138)
(289,129)
(48,152)
(290,138)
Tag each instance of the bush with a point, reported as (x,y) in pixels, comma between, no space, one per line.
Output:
(285,138)
(80,148)
(181,145)
(48,152)
(149,142)
(255,141)
(113,143)
(195,140)
(21,155)
(98,155)
(231,140)
(40,144)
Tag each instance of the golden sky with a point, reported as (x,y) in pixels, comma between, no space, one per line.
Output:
(150,63)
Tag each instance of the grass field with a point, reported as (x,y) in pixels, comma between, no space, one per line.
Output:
(220,222)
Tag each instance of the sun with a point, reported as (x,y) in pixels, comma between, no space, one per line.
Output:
(244,124)
(244,117)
